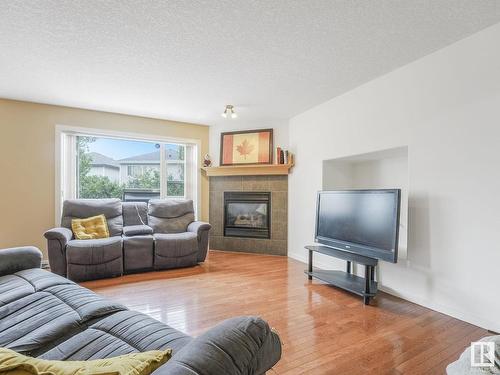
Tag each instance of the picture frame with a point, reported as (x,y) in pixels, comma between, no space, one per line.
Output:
(246,147)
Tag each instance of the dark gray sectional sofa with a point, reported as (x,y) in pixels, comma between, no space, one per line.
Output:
(160,235)
(47,316)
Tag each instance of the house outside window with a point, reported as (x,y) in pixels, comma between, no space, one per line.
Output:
(136,171)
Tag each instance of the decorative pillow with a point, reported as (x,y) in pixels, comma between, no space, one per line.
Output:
(90,228)
(12,363)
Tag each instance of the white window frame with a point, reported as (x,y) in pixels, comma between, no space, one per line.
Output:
(65,152)
(177,161)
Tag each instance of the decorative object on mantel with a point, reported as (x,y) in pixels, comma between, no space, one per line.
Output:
(246,147)
(283,156)
(229,112)
(249,170)
(207,161)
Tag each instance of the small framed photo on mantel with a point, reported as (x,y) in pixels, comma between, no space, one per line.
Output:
(246,147)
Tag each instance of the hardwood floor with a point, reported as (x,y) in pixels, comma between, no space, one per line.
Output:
(324,330)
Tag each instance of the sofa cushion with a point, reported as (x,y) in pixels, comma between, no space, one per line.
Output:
(12,288)
(175,250)
(41,279)
(169,215)
(86,303)
(121,333)
(135,213)
(94,259)
(175,245)
(35,320)
(55,308)
(96,251)
(26,282)
(82,208)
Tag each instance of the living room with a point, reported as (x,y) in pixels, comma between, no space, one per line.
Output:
(215,187)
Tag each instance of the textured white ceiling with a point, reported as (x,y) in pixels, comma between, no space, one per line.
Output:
(184,60)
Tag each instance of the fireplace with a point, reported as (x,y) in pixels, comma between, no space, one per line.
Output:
(235,189)
(247,214)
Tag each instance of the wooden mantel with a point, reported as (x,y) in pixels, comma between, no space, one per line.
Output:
(249,170)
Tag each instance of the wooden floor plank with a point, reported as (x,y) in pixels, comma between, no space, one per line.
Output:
(324,330)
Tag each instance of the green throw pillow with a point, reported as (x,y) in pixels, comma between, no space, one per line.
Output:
(12,363)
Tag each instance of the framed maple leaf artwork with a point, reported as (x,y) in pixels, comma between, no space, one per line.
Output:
(246,147)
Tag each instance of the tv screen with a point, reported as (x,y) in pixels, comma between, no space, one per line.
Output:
(365,222)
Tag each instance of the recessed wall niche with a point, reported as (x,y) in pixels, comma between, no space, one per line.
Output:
(385,169)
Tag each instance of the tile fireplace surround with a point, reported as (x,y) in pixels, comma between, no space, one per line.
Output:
(277,186)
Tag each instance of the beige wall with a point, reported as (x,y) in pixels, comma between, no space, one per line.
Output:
(27,161)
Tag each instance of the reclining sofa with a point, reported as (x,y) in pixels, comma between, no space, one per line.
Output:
(50,317)
(160,235)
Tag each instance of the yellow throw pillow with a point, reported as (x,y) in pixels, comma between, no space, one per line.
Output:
(12,363)
(90,228)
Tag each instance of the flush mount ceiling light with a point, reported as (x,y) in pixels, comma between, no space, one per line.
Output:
(229,112)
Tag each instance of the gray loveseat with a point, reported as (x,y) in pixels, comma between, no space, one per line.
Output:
(160,235)
(47,316)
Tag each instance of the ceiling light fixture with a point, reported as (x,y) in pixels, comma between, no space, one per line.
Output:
(229,112)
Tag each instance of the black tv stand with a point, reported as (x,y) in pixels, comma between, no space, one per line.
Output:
(365,287)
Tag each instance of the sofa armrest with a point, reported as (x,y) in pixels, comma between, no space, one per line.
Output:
(198,227)
(19,258)
(64,235)
(137,230)
(201,229)
(57,239)
(237,346)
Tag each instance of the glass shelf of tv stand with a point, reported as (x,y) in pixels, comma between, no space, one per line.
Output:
(365,287)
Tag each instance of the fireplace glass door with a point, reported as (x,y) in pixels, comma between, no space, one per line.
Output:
(247,214)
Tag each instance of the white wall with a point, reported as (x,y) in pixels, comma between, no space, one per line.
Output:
(280,133)
(446,109)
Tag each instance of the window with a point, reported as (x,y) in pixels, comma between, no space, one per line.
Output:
(105,166)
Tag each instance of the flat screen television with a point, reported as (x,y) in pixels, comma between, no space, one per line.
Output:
(364,222)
